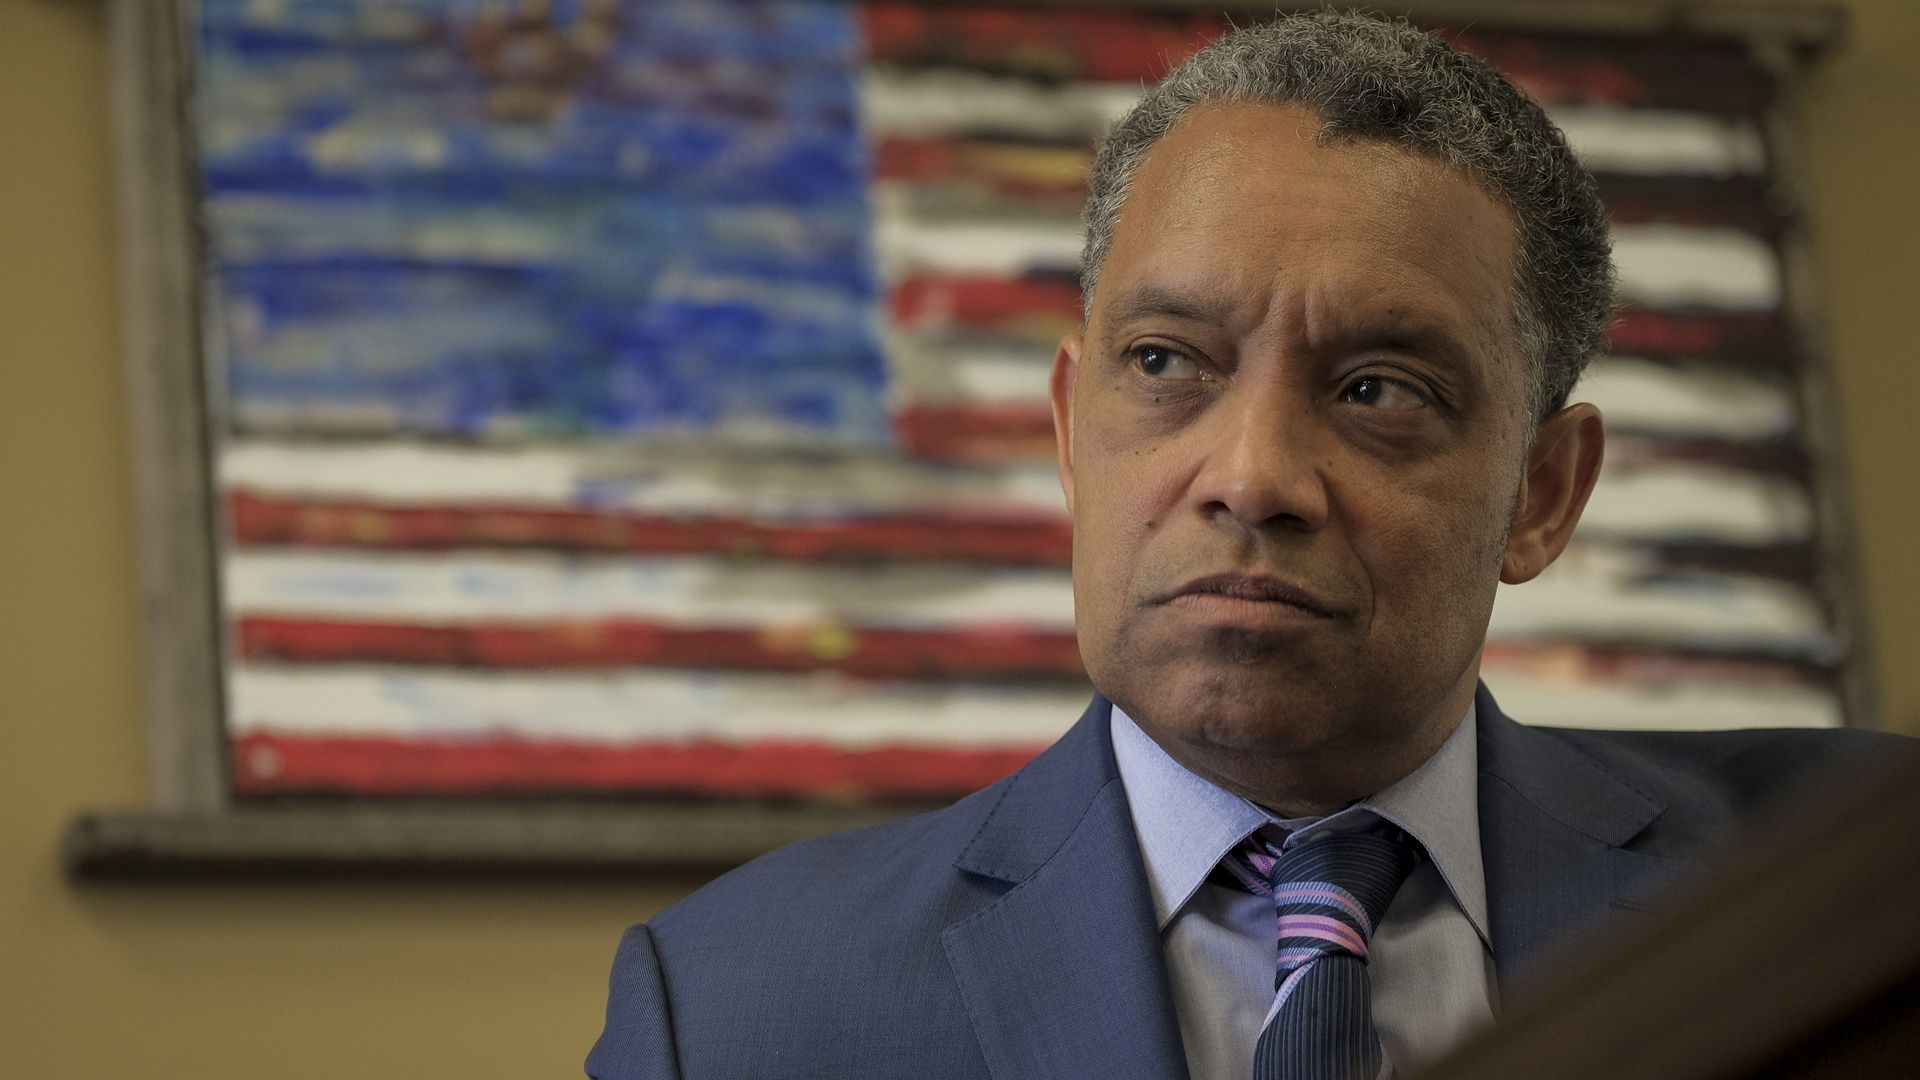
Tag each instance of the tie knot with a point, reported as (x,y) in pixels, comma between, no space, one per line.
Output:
(1328,893)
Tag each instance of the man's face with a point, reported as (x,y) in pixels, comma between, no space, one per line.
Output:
(1297,436)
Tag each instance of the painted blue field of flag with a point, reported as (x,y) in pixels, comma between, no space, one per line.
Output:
(619,220)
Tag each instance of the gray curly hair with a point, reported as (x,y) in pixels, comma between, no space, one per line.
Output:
(1377,78)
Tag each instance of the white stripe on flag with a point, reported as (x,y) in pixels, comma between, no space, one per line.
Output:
(644,705)
(682,590)
(637,478)
(1693,401)
(675,706)
(1646,502)
(1660,266)
(1677,500)
(1594,593)
(1666,706)
(967,372)
(1674,266)
(974,244)
(1702,401)
(1654,142)
(1591,592)
(943,101)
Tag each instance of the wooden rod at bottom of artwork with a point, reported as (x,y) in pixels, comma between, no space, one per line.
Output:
(525,840)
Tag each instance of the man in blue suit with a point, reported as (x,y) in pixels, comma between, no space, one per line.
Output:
(1341,281)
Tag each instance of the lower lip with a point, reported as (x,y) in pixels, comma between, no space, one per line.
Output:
(1220,610)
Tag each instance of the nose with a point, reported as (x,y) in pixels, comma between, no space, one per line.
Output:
(1257,462)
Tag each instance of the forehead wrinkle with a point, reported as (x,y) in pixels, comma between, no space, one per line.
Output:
(1381,315)
(1408,299)
(1413,253)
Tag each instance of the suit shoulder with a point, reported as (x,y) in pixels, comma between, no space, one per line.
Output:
(1738,770)
(835,877)
(827,950)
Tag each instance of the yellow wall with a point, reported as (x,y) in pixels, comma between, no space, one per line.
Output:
(475,980)
(1863,160)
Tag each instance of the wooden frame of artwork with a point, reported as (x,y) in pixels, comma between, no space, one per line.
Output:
(196,825)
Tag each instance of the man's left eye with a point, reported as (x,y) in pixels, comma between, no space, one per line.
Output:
(1165,362)
(1380,392)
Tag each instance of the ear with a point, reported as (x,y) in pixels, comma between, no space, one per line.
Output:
(1561,470)
(1066,366)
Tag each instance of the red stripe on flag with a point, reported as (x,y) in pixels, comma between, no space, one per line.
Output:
(1026,174)
(920,158)
(973,652)
(1628,70)
(1023,539)
(969,652)
(1142,46)
(1018,171)
(1059,44)
(1041,307)
(1763,340)
(1602,664)
(1733,202)
(1008,432)
(976,434)
(267,763)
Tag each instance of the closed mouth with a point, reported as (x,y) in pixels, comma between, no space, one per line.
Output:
(1256,588)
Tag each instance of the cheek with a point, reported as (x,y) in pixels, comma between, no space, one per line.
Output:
(1432,551)
(1120,505)
(1120,484)
(1113,519)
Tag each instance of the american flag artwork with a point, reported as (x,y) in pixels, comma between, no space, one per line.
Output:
(648,398)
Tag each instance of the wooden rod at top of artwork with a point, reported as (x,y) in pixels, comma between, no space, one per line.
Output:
(1808,28)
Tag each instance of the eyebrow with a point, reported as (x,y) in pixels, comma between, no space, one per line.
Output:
(1210,306)
(1414,331)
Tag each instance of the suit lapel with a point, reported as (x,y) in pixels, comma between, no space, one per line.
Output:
(1063,975)
(1555,830)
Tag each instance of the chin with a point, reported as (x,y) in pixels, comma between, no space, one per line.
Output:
(1241,712)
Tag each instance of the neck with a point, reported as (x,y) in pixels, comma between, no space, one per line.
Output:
(1316,780)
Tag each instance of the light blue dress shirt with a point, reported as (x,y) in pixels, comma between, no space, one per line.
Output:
(1431,962)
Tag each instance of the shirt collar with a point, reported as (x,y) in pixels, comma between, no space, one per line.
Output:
(1186,825)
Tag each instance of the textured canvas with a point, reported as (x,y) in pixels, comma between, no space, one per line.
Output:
(649,398)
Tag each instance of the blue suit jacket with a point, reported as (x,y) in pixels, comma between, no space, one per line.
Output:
(1011,935)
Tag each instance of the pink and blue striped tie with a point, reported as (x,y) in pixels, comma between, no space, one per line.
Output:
(1328,894)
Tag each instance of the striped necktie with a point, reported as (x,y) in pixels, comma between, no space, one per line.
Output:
(1328,894)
